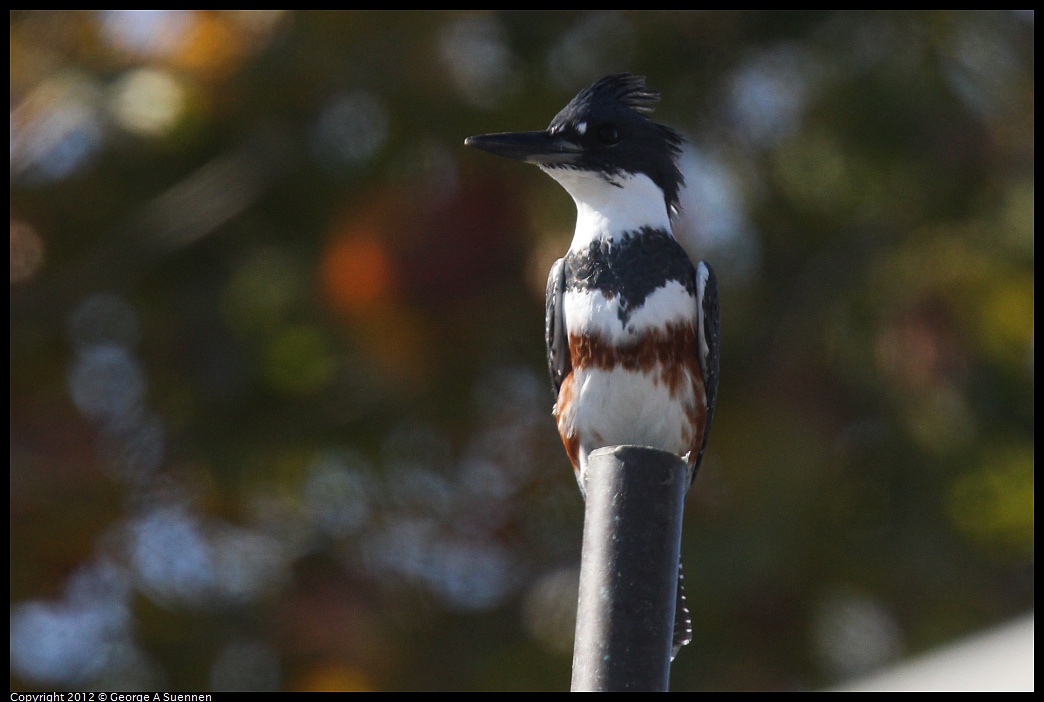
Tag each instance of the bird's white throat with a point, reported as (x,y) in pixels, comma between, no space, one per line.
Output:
(607,207)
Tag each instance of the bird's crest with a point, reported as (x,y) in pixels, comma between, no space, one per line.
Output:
(625,89)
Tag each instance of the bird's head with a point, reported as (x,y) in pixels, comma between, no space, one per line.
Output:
(604,132)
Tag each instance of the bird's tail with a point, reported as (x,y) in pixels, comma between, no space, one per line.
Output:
(682,620)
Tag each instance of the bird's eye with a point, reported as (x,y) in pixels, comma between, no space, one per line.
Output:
(608,135)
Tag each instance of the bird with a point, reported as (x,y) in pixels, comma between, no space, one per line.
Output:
(632,324)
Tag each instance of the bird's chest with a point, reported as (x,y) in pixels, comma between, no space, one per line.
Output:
(622,288)
(647,391)
(630,319)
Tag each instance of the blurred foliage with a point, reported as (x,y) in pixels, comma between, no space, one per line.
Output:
(279,410)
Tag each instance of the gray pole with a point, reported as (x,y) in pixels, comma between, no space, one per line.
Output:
(629,570)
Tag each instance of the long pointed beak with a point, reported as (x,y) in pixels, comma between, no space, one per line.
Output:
(534,147)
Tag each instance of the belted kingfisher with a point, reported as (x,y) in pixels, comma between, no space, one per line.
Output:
(632,326)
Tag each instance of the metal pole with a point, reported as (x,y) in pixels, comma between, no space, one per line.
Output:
(628,570)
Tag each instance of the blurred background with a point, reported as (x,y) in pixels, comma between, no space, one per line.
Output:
(280,415)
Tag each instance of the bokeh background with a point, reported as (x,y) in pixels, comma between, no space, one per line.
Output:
(280,416)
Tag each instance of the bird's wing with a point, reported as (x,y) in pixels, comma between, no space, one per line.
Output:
(708,337)
(554,327)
